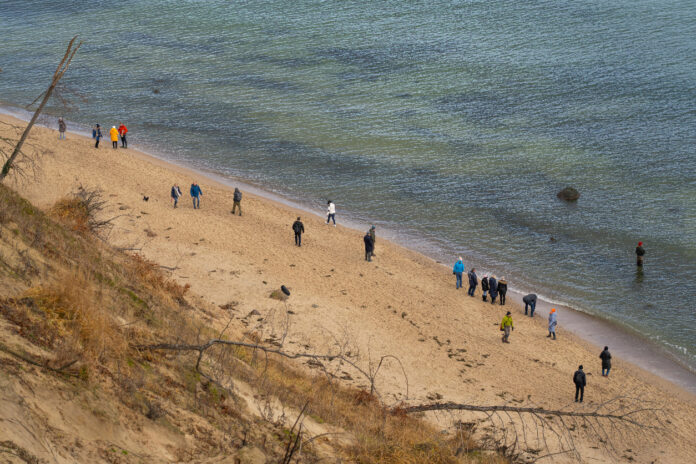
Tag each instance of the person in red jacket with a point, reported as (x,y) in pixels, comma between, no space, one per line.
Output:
(640,252)
(122,131)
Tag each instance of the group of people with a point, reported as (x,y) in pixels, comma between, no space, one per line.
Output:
(580,380)
(196,194)
(490,286)
(114,134)
(495,288)
(506,324)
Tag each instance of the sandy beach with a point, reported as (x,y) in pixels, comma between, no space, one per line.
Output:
(402,303)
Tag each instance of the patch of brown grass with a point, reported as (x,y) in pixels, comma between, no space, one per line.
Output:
(73,213)
(71,306)
(139,269)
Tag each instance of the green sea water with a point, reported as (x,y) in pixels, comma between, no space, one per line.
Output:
(450,124)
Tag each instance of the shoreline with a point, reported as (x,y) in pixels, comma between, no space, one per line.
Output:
(625,343)
(402,305)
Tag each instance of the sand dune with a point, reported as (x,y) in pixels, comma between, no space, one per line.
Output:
(403,303)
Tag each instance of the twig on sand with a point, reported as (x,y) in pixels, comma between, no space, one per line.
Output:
(60,370)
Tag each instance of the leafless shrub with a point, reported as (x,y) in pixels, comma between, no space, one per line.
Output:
(83,211)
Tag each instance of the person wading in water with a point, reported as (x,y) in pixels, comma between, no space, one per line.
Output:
(640,252)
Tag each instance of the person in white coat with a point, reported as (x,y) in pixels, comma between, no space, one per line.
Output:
(331,213)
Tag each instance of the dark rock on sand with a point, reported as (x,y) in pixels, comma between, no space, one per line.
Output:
(568,194)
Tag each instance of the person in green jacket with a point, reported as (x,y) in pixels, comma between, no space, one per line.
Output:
(506,326)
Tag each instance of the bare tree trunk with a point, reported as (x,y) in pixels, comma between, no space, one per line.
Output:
(60,70)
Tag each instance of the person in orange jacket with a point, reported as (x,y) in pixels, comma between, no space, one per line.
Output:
(122,131)
(114,136)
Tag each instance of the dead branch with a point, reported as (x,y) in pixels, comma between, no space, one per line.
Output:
(57,75)
(45,365)
(201,349)
(293,444)
(626,417)
(509,424)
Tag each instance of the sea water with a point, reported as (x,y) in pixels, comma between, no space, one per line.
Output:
(453,123)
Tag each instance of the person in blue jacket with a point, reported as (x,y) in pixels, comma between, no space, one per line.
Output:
(458,270)
(493,288)
(96,135)
(196,193)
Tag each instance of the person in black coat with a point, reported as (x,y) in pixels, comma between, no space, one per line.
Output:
(484,286)
(529,302)
(237,201)
(605,356)
(493,285)
(580,381)
(298,228)
(369,246)
(502,289)
(473,282)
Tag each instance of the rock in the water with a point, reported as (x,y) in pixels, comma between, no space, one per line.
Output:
(568,194)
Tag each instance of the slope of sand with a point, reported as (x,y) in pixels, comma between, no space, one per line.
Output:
(402,304)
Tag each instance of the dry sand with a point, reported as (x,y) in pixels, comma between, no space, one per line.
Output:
(402,304)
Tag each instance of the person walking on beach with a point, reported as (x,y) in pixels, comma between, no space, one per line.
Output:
(640,252)
(605,356)
(484,286)
(529,302)
(175,194)
(96,135)
(580,381)
(61,129)
(369,246)
(473,282)
(458,270)
(114,136)
(506,326)
(298,228)
(502,289)
(552,324)
(237,201)
(331,213)
(196,193)
(374,239)
(122,131)
(493,288)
